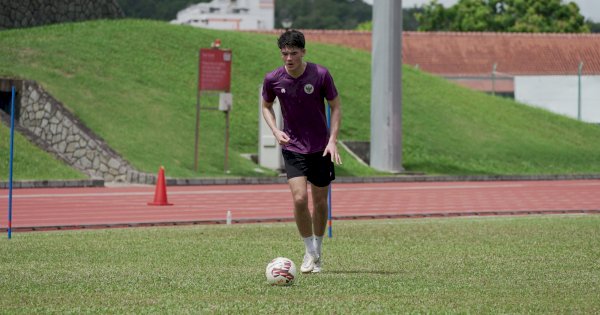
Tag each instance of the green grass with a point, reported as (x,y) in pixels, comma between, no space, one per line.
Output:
(133,82)
(535,264)
(467,132)
(31,163)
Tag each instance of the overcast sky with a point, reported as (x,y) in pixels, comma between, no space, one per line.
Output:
(590,9)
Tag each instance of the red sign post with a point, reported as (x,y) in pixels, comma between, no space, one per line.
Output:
(214,75)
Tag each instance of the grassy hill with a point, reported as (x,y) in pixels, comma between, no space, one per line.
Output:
(133,83)
(30,162)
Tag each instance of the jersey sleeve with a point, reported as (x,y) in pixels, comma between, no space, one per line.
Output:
(329,89)
(268,94)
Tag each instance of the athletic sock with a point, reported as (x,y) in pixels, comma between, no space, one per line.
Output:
(318,243)
(309,244)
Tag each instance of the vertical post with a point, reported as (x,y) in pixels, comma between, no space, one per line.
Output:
(10,163)
(197,138)
(386,86)
(494,79)
(329,211)
(579,90)
(226,140)
(329,215)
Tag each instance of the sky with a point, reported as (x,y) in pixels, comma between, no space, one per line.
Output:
(590,9)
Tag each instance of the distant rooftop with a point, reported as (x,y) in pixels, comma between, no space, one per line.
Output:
(475,53)
(449,53)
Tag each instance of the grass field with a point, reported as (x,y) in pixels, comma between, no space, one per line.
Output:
(133,83)
(533,264)
(30,162)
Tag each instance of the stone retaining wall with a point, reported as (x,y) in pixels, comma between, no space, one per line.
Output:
(45,122)
(28,13)
(60,133)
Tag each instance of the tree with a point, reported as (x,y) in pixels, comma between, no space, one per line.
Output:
(594,27)
(409,21)
(409,18)
(365,26)
(322,14)
(155,9)
(530,16)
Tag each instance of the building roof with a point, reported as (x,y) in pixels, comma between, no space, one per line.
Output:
(513,53)
(475,53)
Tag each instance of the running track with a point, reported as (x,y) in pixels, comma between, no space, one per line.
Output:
(76,208)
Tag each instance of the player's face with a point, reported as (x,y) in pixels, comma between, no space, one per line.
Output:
(292,58)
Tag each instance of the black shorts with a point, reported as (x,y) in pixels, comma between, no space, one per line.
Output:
(317,168)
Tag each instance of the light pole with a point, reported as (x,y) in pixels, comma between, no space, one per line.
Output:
(579,90)
(386,86)
(286,23)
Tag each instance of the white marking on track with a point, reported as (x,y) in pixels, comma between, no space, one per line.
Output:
(254,191)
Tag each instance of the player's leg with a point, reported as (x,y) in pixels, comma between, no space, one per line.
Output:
(295,165)
(303,221)
(301,212)
(319,198)
(321,173)
(295,168)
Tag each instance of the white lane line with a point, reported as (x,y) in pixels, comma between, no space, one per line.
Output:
(254,191)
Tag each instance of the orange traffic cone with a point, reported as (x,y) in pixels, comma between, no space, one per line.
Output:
(160,195)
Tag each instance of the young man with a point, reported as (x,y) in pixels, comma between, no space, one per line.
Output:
(309,149)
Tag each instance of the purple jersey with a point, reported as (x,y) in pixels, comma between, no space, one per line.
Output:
(302,105)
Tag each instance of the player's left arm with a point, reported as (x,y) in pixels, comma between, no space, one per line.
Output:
(334,128)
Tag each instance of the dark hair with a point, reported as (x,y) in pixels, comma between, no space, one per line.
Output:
(291,38)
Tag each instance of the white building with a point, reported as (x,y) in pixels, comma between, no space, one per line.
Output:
(566,95)
(536,69)
(230,15)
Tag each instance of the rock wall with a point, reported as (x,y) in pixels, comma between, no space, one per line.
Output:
(45,122)
(51,126)
(28,13)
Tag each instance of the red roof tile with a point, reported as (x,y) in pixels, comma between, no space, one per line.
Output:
(474,53)
(513,53)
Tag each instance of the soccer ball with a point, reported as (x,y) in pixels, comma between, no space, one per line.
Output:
(281,271)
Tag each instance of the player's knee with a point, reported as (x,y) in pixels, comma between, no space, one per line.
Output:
(300,200)
(320,203)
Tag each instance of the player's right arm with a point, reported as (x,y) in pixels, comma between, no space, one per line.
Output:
(269,116)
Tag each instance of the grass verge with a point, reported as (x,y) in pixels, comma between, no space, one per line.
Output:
(534,264)
(134,83)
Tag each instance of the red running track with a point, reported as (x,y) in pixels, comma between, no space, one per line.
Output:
(68,208)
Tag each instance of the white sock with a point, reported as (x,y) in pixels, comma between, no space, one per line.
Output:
(309,244)
(318,243)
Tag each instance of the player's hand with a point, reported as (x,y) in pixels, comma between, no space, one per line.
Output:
(331,149)
(282,137)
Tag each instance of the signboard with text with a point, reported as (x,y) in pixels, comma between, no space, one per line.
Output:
(215,70)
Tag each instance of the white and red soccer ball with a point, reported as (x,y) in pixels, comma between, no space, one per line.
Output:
(281,271)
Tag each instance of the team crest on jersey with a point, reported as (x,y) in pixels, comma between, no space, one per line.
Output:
(309,88)
(283,91)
